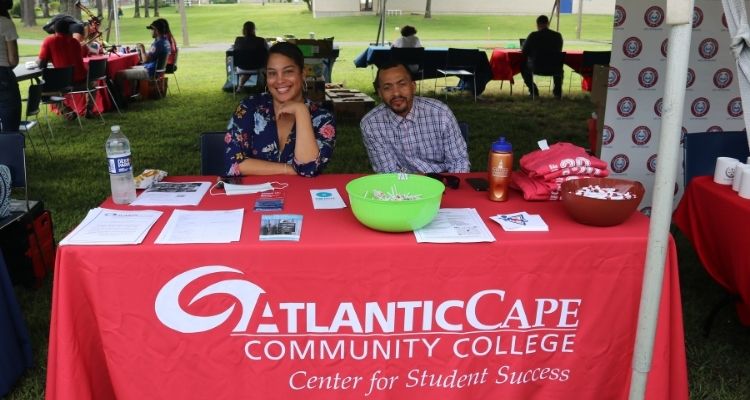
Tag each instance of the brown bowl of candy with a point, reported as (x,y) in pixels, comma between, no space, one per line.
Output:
(601,201)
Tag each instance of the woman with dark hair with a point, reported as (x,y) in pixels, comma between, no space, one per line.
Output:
(172,57)
(280,132)
(10,96)
(408,38)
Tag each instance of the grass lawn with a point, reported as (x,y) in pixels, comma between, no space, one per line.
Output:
(164,135)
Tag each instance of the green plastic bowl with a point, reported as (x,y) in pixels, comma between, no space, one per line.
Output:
(395,216)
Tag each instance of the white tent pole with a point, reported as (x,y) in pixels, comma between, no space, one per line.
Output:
(116,13)
(679,15)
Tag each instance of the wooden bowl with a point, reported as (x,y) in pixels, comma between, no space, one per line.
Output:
(599,211)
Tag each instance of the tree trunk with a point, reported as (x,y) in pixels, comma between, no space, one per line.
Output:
(28,13)
(428,9)
(45,8)
(146,4)
(137,13)
(99,8)
(309,5)
(156,8)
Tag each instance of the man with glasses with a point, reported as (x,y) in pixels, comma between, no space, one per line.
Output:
(408,133)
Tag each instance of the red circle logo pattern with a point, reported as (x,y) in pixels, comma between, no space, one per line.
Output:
(658,105)
(723,78)
(648,77)
(714,128)
(724,20)
(654,16)
(632,47)
(651,163)
(619,163)
(690,78)
(608,135)
(613,77)
(700,107)
(734,108)
(708,48)
(626,106)
(620,16)
(641,135)
(664,47)
(697,17)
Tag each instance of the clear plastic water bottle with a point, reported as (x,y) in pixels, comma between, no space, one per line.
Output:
(120,167)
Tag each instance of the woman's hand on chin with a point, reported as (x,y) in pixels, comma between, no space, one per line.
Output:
(292,108)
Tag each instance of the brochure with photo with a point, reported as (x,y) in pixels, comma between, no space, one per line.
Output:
(280,227)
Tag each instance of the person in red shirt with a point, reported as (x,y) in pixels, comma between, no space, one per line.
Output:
(63,50)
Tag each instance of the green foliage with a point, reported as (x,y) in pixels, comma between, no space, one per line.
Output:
(16,10)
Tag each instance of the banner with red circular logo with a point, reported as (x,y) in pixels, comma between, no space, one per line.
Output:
(636,80)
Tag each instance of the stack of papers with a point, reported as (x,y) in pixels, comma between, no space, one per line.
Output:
(112,227)
(221,226)
(326,199)
(521,222)
(455,225)
(172,194)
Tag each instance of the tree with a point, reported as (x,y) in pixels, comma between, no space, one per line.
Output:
(156,8)
(28,15)
(137,13)
(146,4)
(309,5)
(428,9)
(45,8)
(99,8)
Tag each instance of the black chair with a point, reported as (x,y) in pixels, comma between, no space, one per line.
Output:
(32,110)
(460,63)
(413,58)
(212,153)
(97,71)
(56,83)
(591,58)
(248,64)
(550,65)
(702,148)
(158,78)
(13,155)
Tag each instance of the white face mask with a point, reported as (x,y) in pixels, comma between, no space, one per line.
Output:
(232,189)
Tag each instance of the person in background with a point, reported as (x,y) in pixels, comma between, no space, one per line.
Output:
(408,38)
(280,132)
(407,133)
(10,96)
(172,57)
(89,46)
(538,47)
(156,55)
(256,48)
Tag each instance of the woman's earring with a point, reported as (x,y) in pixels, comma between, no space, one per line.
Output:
(266,89)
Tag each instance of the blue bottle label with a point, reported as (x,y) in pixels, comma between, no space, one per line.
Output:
(119,165)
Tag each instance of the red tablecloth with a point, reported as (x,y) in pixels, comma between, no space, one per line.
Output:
(349,311)
(505,63)
(714,218)
(115,63)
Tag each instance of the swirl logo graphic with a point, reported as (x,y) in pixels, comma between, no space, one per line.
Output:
(654,16)
(632,47)
(708,48)
(715,129)
(723,78)
(608,135)
(648,77)
(734,108)
(170,312)
(664,47)
(690,77)
(626,106)
(658,106)
(651,163)
(620,16)
(619,163)
(641,135)
(613,77)
(697,17)
(700,107)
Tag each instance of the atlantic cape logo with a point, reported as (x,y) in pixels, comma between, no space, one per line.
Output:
(708,48)
(648,77)
(613,77)
(620,16)
(619,163)
(658,106)
(700,107)
(664,47)
(690,77)
(641,135)
(632,47)
(626,106)
(723,78)
(654,16)
(697,17)
(608,135)
(651,164)
(734,108)
(714,128)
